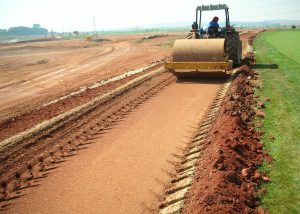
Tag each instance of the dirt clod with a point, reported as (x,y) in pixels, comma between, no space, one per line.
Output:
(261,104)
(266,179)
(257,176)
(262,191)
(245,172)
(260,114)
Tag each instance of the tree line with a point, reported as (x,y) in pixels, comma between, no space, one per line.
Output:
(36,29)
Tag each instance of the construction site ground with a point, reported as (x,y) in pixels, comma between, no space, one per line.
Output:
(39,71)
(123,142)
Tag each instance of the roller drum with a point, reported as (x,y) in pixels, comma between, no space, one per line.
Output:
(199,50)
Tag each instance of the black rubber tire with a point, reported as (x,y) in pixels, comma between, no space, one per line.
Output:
(234,47)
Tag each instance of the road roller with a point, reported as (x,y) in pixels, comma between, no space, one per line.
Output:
(210,52)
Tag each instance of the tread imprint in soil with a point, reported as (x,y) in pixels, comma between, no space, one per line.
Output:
(174,195)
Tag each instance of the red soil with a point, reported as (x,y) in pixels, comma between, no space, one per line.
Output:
(227,177)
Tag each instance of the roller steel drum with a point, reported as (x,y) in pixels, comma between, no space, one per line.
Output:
(199,50)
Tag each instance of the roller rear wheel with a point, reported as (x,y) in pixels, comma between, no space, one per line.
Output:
(234,48)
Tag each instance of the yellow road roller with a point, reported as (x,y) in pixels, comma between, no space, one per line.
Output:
(211,51)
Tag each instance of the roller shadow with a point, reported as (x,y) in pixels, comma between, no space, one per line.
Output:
(266,66)
(201,80)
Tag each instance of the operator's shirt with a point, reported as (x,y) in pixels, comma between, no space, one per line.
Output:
(213,24)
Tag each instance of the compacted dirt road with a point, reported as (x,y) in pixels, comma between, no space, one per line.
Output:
(124,170)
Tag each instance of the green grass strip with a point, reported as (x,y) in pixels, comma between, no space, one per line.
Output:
(278,62)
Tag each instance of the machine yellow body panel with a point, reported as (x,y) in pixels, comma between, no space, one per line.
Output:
(199,56)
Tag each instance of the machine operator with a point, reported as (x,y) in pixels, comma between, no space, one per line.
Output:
(214,22)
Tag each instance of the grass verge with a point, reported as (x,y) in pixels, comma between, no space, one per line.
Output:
(278,61)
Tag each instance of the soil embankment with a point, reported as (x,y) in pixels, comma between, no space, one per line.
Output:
(227,178)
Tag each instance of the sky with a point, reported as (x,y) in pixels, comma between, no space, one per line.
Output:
(70,15)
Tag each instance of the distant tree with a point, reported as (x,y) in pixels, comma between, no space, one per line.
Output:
(3,31)
(76,33)
(293,26)
(52,33)
(36,26)
(21,30)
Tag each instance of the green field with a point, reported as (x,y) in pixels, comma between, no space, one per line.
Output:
(278,62)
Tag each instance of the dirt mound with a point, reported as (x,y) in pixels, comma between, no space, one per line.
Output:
(155,36)
(101,40)
(39,40)
(227,177)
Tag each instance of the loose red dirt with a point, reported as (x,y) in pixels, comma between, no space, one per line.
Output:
(227,178)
